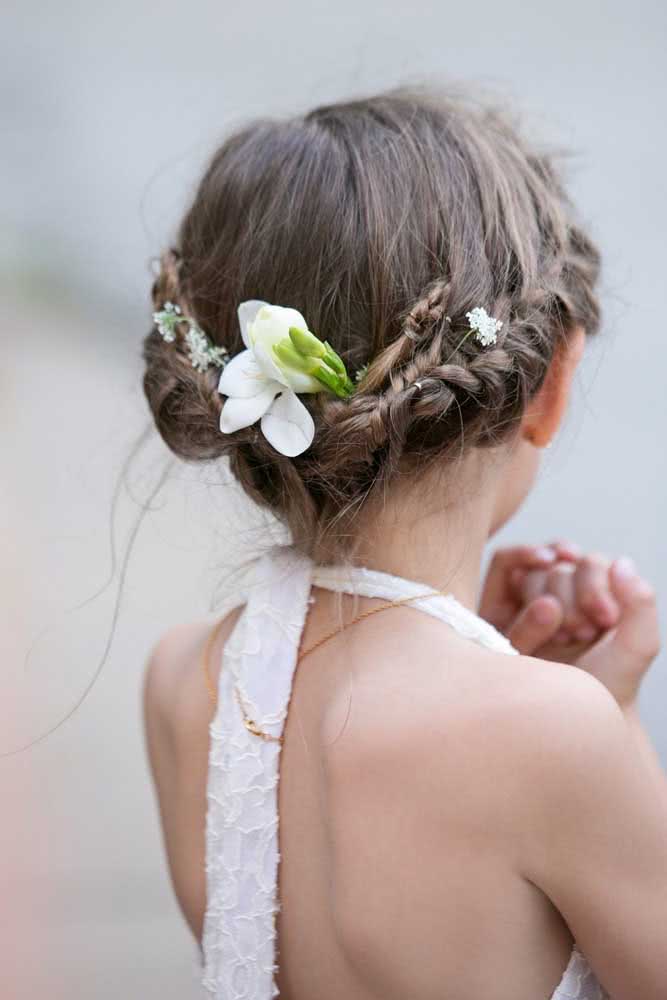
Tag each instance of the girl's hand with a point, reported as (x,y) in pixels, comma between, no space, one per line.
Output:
(605,622)
(550,600)
(621,657)
(517,595)
(613,593)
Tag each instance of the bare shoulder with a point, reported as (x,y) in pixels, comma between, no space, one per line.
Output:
(565,738)
(175,692)
(540,721)
(563,707)
(463,722)
(177,714)
(442,684)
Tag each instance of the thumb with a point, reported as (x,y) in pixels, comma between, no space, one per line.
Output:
(635,641)
(537,623)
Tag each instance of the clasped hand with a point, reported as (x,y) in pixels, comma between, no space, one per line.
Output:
(558,603)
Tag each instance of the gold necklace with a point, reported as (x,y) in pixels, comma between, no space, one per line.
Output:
(249,723)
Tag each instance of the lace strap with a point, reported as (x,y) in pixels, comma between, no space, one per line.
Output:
(445,607)
(242,855)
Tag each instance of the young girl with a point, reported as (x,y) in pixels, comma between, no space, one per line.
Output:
(375,311)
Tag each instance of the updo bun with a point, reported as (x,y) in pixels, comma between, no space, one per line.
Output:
(383,221)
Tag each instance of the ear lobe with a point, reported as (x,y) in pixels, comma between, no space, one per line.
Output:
(546,410)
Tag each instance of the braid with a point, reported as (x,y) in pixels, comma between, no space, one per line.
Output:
(425,316)
(167,285)
(415,402)
(428,310)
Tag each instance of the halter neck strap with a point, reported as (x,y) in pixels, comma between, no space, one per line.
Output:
(445,607)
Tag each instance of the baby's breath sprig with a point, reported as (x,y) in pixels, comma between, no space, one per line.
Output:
(361,373)
(166,321)
(486,327)
(202,352)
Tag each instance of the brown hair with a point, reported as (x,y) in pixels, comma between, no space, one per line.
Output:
(383,221)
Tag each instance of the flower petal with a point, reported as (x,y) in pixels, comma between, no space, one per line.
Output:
(267,363)
(287,424)
(299,381)
(238,412)
(242,377)
(246,313)
(272,323)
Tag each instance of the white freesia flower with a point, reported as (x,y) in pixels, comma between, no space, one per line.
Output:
(259,386)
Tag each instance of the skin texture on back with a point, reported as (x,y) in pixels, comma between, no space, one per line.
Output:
(408,795)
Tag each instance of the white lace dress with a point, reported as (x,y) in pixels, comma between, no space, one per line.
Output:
(239,944)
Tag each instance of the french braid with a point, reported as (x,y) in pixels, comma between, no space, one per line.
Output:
(383,221)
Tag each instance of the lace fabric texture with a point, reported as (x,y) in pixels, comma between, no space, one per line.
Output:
(242,855)
(579,982)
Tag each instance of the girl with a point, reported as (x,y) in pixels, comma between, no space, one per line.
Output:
(376,311)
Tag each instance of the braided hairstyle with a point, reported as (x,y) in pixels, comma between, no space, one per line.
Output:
(383,221)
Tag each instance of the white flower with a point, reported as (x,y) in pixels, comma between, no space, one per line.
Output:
(166,321)
(202,352)
(260,387)
(486,326)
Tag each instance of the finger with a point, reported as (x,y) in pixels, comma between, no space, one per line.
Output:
(535,625)
(585,632)
(560,583)
(498,603)
(637,633)
(635,642)
(569,551)
(594,597)
(530,585)
(562,637)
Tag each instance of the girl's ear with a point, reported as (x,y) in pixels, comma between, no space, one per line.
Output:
(546,409)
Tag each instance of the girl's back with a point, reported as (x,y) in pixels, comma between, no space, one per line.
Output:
(404,787)
(421,769)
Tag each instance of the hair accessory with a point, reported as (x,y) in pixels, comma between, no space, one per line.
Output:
(486,327)
(201,350)
(417,385)
(282,358)
(166,321)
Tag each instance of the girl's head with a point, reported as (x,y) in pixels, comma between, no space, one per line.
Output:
(382,221)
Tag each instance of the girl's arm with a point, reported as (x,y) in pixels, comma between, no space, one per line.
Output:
(595,836)
(645,746)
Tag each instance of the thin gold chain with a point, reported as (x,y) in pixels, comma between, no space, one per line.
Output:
(249,723)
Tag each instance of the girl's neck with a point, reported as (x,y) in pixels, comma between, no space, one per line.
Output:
(423,534)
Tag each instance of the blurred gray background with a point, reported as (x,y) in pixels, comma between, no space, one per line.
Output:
(109,112)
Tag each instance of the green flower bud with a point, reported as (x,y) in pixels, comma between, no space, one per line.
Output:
(332,380)
(333,360)
(306,343)
(290,358)
(289,355)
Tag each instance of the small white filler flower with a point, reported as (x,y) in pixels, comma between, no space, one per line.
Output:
(486,327)
(201,350)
